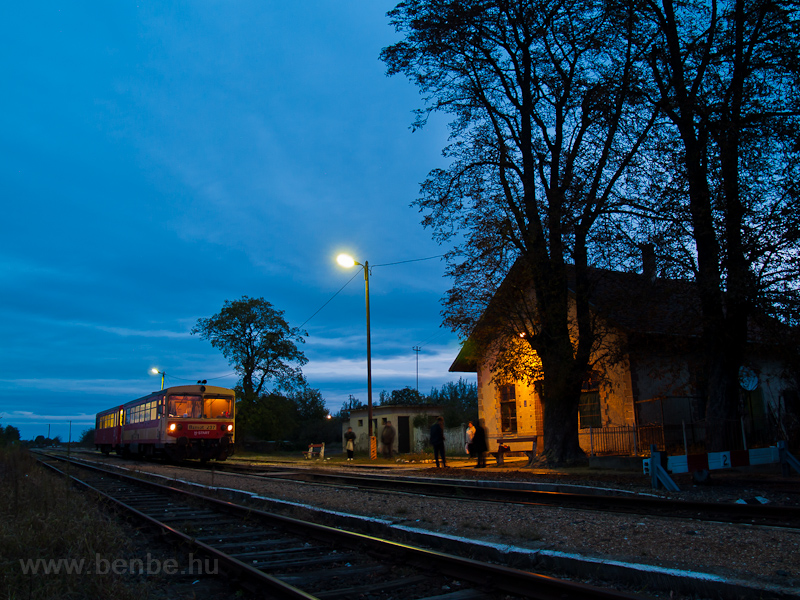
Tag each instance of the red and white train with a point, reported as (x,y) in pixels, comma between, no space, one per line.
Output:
(185,421)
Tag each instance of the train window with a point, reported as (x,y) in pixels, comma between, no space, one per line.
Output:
(185,406)
(216,408)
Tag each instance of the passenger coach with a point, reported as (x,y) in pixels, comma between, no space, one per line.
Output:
(186,421)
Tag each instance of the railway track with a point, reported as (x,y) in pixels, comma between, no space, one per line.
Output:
(292,558)
(771,515)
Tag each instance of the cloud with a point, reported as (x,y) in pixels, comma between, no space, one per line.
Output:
(132,388)
(127,332)
(24,417)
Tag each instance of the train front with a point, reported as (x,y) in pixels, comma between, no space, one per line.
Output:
(200,422)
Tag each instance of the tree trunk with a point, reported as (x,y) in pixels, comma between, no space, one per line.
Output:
(561,393)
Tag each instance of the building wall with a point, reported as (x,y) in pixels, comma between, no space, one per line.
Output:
(382,414)
(617,401)
(455,440)
(529,410)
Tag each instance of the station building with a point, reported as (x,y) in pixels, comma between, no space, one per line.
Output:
(411,424)
(645,387)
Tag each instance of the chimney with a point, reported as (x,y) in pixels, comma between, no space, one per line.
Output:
(648,261)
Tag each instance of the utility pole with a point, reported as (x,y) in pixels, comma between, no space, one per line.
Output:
(417,349)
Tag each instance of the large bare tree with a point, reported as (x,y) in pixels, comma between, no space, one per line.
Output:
(726,76)
(547,120)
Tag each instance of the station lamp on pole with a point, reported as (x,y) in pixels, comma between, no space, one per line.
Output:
(155,371)
(347,261)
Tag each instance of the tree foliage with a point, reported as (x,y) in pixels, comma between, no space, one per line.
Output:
(352,403)
(460,400)
(547,118)
(258,343)
(725,74)
(9,435)
(405,397)
(87,437)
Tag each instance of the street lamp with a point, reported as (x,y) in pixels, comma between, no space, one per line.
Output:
(155,371)
(348,262)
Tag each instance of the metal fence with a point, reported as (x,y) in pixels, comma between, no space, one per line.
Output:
(681,438)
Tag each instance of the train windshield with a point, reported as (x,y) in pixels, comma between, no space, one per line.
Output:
(218,407)
(185,406)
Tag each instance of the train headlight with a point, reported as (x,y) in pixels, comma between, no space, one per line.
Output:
(172,426)
(230,427)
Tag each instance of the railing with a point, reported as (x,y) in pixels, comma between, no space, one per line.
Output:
(682,438)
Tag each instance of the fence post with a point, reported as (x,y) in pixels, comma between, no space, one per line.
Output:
(744,438)
(685,445)
(591,441)
(658,474)
(635,440)
(786,459)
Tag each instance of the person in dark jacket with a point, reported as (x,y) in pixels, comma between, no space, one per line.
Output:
(387,439)
(437,441)
(350,442)
(479,446)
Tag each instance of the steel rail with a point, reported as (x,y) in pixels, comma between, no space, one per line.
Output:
(497,577)
(234,565)
(770,515)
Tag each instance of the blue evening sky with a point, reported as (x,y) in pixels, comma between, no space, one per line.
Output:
(158,158)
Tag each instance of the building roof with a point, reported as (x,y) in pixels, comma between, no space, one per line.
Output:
(633,302)
(398,408)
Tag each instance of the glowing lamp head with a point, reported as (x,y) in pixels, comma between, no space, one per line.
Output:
(346,260)
(154,371)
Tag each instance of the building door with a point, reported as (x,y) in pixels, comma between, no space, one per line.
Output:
(403,435)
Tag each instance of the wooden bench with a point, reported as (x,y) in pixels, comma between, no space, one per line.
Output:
(315,451)
(530,453)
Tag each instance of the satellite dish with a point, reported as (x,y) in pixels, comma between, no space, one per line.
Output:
(748,378)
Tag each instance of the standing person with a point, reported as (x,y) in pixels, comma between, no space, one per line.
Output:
(470,436)
(479,446)
(350,442)
(387,439)
(437,441)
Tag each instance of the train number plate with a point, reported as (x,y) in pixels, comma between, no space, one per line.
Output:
(201,427)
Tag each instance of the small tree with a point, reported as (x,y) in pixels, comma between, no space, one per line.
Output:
(258,343)
(310,404)
(87,437)
(270,417)
(459,399)
(405,397)
(352,403)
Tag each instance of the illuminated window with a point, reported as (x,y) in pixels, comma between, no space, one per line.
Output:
(508,408)
(218,408)
(589,405)
(185,406)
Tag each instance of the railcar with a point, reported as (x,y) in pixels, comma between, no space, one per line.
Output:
(185,421)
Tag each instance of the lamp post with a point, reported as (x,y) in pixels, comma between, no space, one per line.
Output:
(348,262)
(155,371)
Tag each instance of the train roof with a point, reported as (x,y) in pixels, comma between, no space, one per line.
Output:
(185,389)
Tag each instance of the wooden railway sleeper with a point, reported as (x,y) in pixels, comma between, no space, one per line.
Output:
(484,575)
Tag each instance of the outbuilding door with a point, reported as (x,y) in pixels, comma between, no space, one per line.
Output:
(403,435)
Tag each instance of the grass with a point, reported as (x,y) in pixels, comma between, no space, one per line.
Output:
(43,517)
